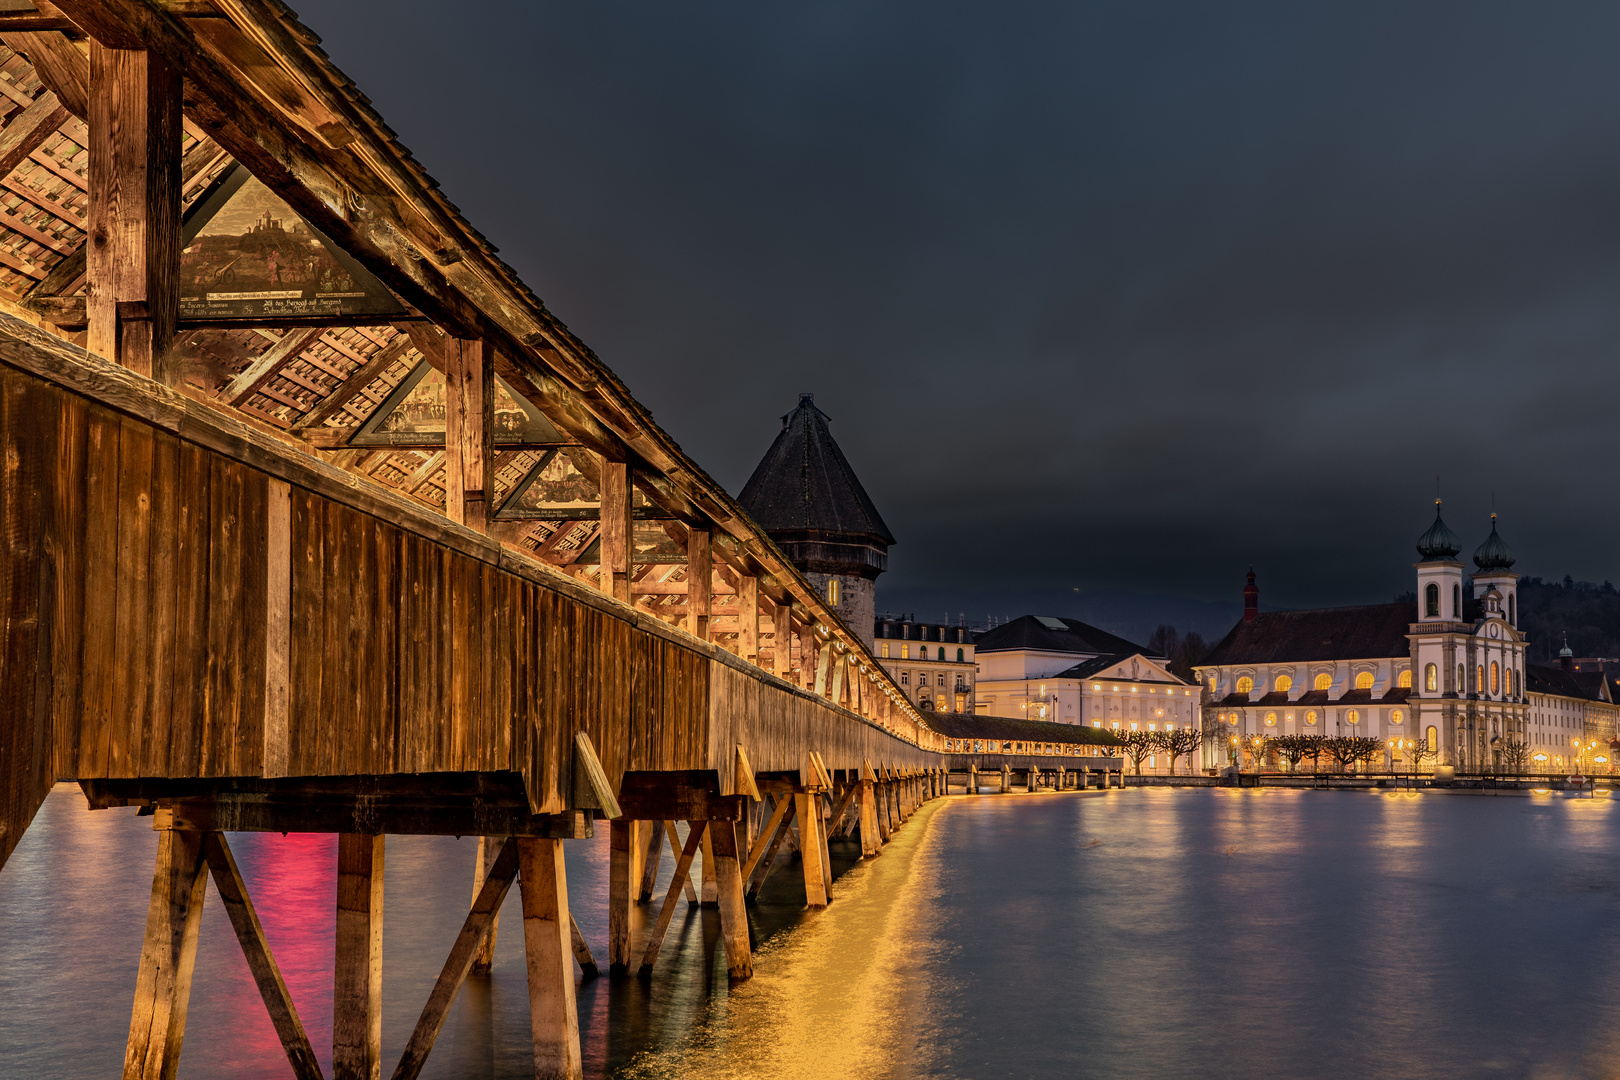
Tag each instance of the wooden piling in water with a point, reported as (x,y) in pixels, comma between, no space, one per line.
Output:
(357,968)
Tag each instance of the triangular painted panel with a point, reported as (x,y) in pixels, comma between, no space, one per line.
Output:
(249,256)
(554,490)
(413,415)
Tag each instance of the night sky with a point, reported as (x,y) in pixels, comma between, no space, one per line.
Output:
(1107,301)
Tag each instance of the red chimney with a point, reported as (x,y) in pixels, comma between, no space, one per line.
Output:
(1251,598)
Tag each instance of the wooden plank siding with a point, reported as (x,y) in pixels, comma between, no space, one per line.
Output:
(135,589)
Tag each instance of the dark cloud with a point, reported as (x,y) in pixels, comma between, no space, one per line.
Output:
(1116,297)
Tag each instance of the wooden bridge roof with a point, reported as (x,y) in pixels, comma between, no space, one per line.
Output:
(261,96)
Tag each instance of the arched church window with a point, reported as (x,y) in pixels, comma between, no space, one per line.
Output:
(1284,683)
(1496,679)
(1479,679)
(1432,736)
(1459,678)
(1431,678)
(1456,601)
(1364,681)
(1431,601)
(1323,681)
(1245,685)
(1511,618)
(1405,681)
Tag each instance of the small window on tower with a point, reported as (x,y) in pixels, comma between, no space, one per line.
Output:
(1431,678)
(1431,601)
(832,592)
(1456,601)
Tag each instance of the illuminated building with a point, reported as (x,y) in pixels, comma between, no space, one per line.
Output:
(1064,670)
(1449,672)
(1573,716)
(933,663)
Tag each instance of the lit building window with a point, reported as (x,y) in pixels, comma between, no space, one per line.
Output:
(1096,686)
(885,652)
(832,592)
(1352,717)
(1405,681)
(1271,719)
(1284,683)
(1395,717)
(1496,678)
(1479,680)
(1323,681)
(1310,717)
(1364,681)
(1432,736)
(905,652)
(1245,685)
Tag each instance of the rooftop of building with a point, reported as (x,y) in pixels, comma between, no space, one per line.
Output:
(963,726)
(804,484)
(1042,633)
(1587,685)
(1364,632)
(905,629)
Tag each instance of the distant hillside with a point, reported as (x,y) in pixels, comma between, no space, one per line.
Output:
(1588,613)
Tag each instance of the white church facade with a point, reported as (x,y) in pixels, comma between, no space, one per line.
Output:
(1448,671)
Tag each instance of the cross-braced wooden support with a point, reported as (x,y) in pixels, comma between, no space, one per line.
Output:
(157,1024)
(272,987)
(488,848)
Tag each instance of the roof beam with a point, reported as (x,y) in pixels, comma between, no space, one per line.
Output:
(263,369)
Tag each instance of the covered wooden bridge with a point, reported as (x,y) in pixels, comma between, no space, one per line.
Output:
(316,519)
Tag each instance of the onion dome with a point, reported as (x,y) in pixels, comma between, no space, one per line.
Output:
(1494,554)
(1439,542)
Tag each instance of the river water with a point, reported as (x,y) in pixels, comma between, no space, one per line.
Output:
(1143,933)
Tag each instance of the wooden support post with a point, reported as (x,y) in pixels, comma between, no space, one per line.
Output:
(488,848)
(620,840)
(871,839)
(256,950)
(748,617)
(1006,778)
(616,529)
(810,848)
(357,969)
(477,928)
(699,582)
(807,657)
(157,1023)
(781,661)
(733,911)
(696,830)
(133,262)
(822,824)
(973,779)
(706,885)
(1062,778)
(553,1013)
(469,432)
(655,851)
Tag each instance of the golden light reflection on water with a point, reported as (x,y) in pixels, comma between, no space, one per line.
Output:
(844,994)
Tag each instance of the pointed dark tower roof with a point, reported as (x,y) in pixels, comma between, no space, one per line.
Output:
(804,494)
(1439,544)
(804,483)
